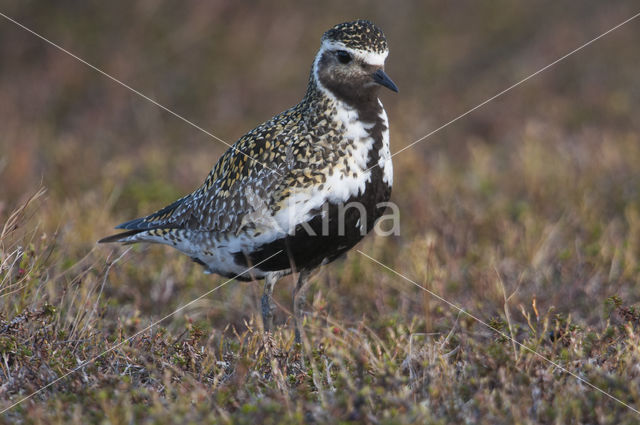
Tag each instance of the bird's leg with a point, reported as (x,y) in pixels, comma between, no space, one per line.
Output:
(267,303)
(298,301)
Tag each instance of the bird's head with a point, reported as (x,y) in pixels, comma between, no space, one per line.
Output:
(350,63)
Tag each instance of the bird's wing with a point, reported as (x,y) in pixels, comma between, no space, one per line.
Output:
(246,182)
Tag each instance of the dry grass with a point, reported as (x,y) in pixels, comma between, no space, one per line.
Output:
(526,214)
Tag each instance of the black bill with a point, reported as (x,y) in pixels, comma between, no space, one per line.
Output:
(383,79)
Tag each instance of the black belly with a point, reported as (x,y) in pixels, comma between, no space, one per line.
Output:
(309,246)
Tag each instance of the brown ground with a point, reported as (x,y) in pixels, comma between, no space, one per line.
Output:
(526,213)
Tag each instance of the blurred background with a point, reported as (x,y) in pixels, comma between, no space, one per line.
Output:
(541,185)
(525,213)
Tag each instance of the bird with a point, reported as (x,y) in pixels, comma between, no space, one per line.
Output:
(280,200)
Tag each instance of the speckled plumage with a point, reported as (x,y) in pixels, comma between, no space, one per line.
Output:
(289,171)
(361,34)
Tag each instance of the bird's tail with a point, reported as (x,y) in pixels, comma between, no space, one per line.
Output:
(151,228)
(124,237)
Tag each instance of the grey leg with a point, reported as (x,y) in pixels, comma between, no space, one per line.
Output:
(298,301)
(267,304)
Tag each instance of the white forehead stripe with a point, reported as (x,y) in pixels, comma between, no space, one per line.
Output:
(370,58)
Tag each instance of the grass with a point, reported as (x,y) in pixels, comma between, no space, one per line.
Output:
(525,214)
(376,348)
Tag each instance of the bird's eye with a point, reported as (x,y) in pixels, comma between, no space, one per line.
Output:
(343,56)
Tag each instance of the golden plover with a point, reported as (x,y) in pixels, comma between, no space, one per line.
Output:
(299,190)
